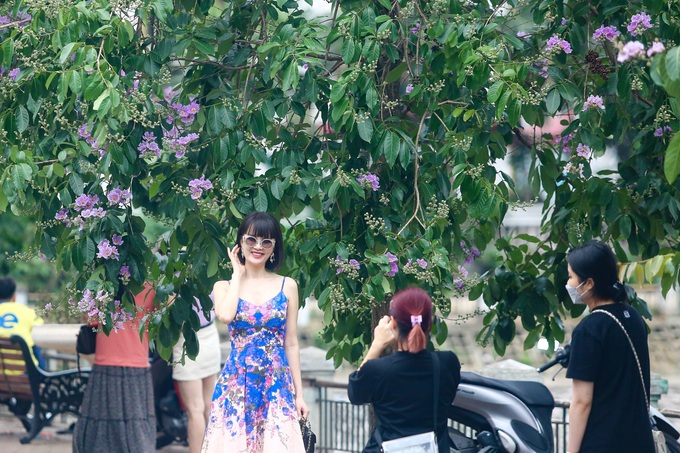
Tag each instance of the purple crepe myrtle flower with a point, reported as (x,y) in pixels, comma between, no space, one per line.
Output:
(422,263)
(409,88)
(557,43)
(14,74)
(639,23)
(118,196)
(662,130)
(543,68)
(369,180)
(117,239)
(630,50)
(603,34)
(583,150)
(415,29)
(148,145)
(124,272)
(48,306)
(394,268)
(62,214)
(657,47)
(593,103)
(106,250)
(198,185)
(355,264)
(463,271)
(564,21)
(85,201)
(42,256)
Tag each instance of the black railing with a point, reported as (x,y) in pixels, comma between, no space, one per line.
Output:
(344,427)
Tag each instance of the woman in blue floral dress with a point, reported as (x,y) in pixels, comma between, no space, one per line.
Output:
(258,396)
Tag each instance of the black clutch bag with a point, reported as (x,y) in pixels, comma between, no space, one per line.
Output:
(308,437)
(86,342)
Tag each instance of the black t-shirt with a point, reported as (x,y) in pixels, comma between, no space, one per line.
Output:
(400,387)
(600,353)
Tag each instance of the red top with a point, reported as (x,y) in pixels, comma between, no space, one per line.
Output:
(123,348)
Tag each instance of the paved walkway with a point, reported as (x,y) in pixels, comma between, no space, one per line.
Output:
(49,440)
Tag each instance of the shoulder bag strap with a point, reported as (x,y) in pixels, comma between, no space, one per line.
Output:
(644,389)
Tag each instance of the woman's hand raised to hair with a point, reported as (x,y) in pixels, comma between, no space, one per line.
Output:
(239,269)
(383,334)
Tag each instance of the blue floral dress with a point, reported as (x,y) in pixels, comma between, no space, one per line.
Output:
(253,406)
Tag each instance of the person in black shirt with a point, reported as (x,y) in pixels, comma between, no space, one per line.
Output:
(609,409)
(401,385)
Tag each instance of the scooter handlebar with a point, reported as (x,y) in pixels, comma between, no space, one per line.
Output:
(561,357)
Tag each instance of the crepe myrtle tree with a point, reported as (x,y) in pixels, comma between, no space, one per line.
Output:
(372,132)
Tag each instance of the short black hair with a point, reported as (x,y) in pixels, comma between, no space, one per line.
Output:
(263,224)
(597,261)
(7,288)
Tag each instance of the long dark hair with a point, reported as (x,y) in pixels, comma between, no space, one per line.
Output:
(408,303)
(596,260)
(264,225)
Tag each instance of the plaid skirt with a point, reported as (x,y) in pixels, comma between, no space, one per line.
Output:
(117,414)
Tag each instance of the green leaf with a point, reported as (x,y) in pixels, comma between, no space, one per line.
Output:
(260,200)
(552,101)
(673,63)
(291,76)
(67,51)
(396,73)
(21,119)
(390,147)
(495,91)
(365,128)
(671,164)
(348,50)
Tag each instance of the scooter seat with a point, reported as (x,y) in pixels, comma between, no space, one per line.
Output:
(530,392)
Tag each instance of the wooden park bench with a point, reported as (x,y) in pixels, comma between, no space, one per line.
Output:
(23,384)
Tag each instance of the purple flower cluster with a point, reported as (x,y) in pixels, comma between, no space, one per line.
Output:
(119,317)
(85,132)
(118,197)
(352,263)
(663,130)
(583,150)
(174,141)
(107,251)
(86,206)
(369,181)
(421,263)
(564,142)
(394,267)
(148,145)
(198,186)
(657,47)
(124,274)
(555,43)
(471,254)
(631,50)
(639,23)
(603,34)
(14,74)
(90,302)
(593,103)
(543,68)
(21,19)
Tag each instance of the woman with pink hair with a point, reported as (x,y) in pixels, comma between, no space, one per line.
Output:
(401,386)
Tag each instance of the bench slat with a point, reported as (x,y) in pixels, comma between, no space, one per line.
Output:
(13,367)
(10,355)
(11,378)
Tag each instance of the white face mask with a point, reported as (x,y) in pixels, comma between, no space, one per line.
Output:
(576,297)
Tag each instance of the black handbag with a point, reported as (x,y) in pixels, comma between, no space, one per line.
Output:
(308,436)
(86,342)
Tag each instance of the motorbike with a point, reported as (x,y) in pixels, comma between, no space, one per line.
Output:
(503,416)
(171,419)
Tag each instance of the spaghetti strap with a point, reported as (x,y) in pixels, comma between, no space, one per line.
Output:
(283,283)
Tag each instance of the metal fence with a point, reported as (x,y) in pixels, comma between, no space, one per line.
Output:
(344,427)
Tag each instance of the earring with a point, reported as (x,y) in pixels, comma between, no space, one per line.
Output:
(271,258)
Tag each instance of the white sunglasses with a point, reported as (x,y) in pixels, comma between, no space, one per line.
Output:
(252,241)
